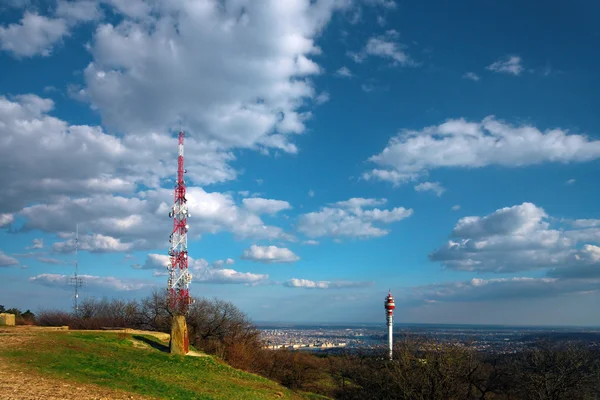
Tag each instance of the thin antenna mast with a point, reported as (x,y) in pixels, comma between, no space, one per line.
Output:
(76,281)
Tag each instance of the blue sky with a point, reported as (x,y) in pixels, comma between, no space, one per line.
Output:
(336,149)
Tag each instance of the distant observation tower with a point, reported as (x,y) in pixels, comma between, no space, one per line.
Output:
(389,314)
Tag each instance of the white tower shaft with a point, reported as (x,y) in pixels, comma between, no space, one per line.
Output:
(390,325)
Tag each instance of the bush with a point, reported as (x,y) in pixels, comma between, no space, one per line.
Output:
(54,318)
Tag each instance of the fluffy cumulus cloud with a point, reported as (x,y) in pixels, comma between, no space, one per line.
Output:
(508,65)
(344,72)
(124,224)
(203,271)
(79,10)
(472,76)
(37,244)
(459,143)
(93,282)
(434,187)
(308,284)
(37,170)
(265,206)
(385,46)
(6,219)
(229,276)
(235,73)
(50,260)
(269,254)
(34,34)
(520,238)
(6,260)
(354,218)
(222,263)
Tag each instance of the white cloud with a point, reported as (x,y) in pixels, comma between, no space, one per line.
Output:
(389,175)
(518,238)
(367,87)
(36,170)
(265,206)
(508,65)
(229,276)
(202,271)
(356,57)
(311,242)
(585,223)
(34,34)
(381,47)
(215,273)
(456,207)
(221,263)
(15,3)
(359,202)
(587,266)
(6,219)
(154,261)
(381,20)
(350,219)
(311,193)
(93,282)
(472,76)
(235,75)
(384,46)
(6,260)
(98,243)
(136,9)
(50,260)
(308,284)
(322,98)
(476,290)
(122,224)
(78,10)
(570,181)
(458,143)
(389,4)
(435,187)
(344,72)
(37,244)
(269,254)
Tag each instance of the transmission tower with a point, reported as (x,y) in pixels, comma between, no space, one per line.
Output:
(76,281)
(179,276)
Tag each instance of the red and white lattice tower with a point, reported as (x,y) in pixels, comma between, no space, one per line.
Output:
(390,305)
(179,276)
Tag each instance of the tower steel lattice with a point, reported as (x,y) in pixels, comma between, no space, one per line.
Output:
(179,276)
(76,281)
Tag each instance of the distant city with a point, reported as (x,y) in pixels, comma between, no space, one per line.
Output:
(357,337)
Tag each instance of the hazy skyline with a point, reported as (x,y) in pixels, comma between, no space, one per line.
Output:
(336,149)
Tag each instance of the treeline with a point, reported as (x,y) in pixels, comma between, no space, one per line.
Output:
(421,369)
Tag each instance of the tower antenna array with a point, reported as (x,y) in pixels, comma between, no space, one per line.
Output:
(76,281)
(179,276)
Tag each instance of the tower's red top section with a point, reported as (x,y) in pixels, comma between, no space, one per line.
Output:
(389,303)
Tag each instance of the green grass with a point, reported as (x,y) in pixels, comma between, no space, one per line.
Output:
(110,360)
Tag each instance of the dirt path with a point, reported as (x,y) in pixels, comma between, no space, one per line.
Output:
(18,384)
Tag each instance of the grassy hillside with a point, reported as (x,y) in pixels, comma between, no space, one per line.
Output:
(136,364)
